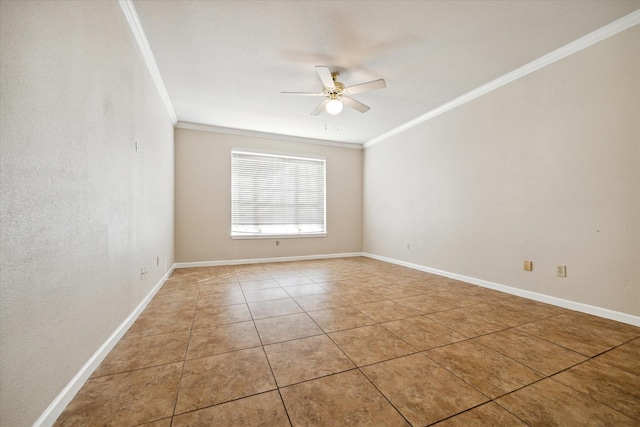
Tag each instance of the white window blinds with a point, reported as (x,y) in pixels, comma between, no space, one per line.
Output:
(276,195)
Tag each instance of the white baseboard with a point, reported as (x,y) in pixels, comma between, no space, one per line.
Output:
(51,414)
(264,260)
(571,305)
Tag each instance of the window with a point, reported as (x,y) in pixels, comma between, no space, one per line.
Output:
(275,195)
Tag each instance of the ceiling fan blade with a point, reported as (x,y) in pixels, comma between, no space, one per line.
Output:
(365,87)
(359,106)
(325,76)
(320,108)
(303,93)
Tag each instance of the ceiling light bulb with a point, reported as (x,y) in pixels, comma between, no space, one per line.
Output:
(334,106)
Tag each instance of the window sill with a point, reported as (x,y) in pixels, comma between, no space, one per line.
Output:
(276,236)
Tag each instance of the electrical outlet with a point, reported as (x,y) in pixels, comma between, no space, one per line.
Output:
(408,246)
(143,273)
(528,265)
(561,270)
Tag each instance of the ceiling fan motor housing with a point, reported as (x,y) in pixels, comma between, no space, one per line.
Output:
(338,87)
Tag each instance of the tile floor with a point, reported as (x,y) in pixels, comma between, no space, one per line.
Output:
(355,341)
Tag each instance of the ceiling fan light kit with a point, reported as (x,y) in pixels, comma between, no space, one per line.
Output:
(337,95)
(334,106)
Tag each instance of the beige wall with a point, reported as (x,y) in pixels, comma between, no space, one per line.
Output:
(82,211)
(546,168)
(203,199)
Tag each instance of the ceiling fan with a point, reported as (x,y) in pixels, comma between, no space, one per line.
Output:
(337,93)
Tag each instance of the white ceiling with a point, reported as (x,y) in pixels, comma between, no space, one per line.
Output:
(224,63)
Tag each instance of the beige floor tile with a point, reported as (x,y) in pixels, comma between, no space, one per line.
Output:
(485,415)
(359,296)
(177,287)
(166,422)
(457,298)
(346,399)
(392,292)
(255,295)
(423,304)
(247,285)
(614,387)
(618,330)
(128,398)
(421,390)
(539,310)
(219,288)
(208,317)
(385,311)
(340,286)
(550,403)
(302,290)
(153,323)
(324,277)
(538,354)
(457,284)
(209,300)
(372,281)
(305,359)
(319,302)
(485,293)
(581,332)
(274,308)
(222,339)
(419,288)
(336,319)
(423,333)
(264,409)
(144,352)
(370,344)
(250,276)
(467,321)
(170,303)
(503,313)
(216,379)
(486,370)
(284,328)
(293,281)
(626,357)
(432,286)
(222,282)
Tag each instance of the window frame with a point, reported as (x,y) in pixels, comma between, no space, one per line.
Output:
(256,152)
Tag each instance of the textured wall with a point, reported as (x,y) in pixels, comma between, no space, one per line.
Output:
(203,199)
(546,168)
(82,211)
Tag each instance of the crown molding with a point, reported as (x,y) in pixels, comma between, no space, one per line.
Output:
(584,42)
(136,27)
(265,135)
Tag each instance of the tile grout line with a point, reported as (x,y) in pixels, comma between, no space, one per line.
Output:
(184,362)
(275,381)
